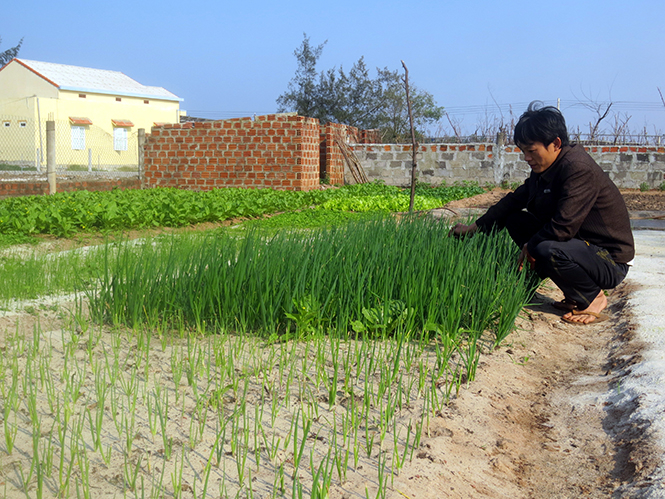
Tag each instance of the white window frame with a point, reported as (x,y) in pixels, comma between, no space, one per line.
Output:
(120,139)
(78,138)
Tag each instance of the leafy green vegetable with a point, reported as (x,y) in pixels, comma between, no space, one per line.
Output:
(64,214)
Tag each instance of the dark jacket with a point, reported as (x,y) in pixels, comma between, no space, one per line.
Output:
(573,198)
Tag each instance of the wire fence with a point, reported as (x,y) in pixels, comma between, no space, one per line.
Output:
(623,139)
(80,149)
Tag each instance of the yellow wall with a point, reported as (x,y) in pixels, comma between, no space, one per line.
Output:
(18,82)
(25,95)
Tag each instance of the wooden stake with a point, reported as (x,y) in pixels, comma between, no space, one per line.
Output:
(414,149)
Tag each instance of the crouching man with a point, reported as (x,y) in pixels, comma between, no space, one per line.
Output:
(568,217)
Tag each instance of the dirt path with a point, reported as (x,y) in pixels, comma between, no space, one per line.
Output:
(540,420)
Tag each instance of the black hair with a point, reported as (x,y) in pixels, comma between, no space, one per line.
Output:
(541,124)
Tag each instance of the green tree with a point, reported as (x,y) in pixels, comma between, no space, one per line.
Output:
(9,54)
(301,95)
(355,98)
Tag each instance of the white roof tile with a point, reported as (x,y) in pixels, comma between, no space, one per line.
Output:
(95,80)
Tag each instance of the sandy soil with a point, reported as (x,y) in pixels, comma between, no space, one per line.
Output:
(539,421)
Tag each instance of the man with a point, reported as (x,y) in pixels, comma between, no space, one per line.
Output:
(568,217)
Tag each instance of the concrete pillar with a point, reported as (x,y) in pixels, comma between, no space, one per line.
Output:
(50,155)
(499,159)
(141,154)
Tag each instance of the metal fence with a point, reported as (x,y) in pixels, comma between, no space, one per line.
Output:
(80,150)
(623,139)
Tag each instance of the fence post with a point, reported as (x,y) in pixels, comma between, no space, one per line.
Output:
(498,163)
(141,142)
(50,155)
(89,160)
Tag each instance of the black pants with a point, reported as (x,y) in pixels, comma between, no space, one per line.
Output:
(581,270)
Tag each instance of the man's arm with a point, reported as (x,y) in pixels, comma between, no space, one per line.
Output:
(511,203)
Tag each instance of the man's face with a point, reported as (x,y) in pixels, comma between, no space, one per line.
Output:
(539,156)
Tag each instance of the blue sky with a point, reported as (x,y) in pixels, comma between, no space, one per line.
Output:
(477,58)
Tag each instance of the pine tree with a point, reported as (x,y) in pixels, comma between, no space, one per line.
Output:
(9,54)
(355,98)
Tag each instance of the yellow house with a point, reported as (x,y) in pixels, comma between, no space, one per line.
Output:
(97,114)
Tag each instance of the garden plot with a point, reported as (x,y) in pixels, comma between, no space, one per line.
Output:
(191,403)
(319,396)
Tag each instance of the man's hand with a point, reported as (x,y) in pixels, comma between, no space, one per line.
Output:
(461,230)
(524,255)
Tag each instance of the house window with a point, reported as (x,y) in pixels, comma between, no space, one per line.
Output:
(78,138)
(120,139)
(22,124)
(6,124)
(82,96)
(118,99)
(146,101)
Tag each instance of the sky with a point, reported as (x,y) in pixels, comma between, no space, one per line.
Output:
(481,60)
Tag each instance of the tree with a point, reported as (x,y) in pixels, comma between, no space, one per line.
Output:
(302,95)
(355,98)
(9,54)
(395,114)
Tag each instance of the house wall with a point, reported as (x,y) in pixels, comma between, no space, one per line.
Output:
(628,166)
(26,96)
(277,151)
(102,108)
(18,82)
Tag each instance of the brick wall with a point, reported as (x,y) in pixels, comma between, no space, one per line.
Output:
(37,187)
(627,166)
(332,159)
(276,151)
(281,151)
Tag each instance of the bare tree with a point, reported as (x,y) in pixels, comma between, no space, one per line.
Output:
(600,109)
(456,125)
(620,130)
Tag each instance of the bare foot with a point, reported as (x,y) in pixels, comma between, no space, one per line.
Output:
(598,304)
(567,305)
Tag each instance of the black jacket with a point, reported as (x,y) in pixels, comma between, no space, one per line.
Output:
(573,198)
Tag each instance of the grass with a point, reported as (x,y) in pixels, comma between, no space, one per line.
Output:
(383,275)
(306,219)
(27,274)
(5,167)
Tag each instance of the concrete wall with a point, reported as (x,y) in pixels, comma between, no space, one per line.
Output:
(628,166)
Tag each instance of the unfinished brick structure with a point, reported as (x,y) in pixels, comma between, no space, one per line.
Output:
(277,151)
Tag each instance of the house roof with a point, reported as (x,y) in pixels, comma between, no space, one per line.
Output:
(94,80)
